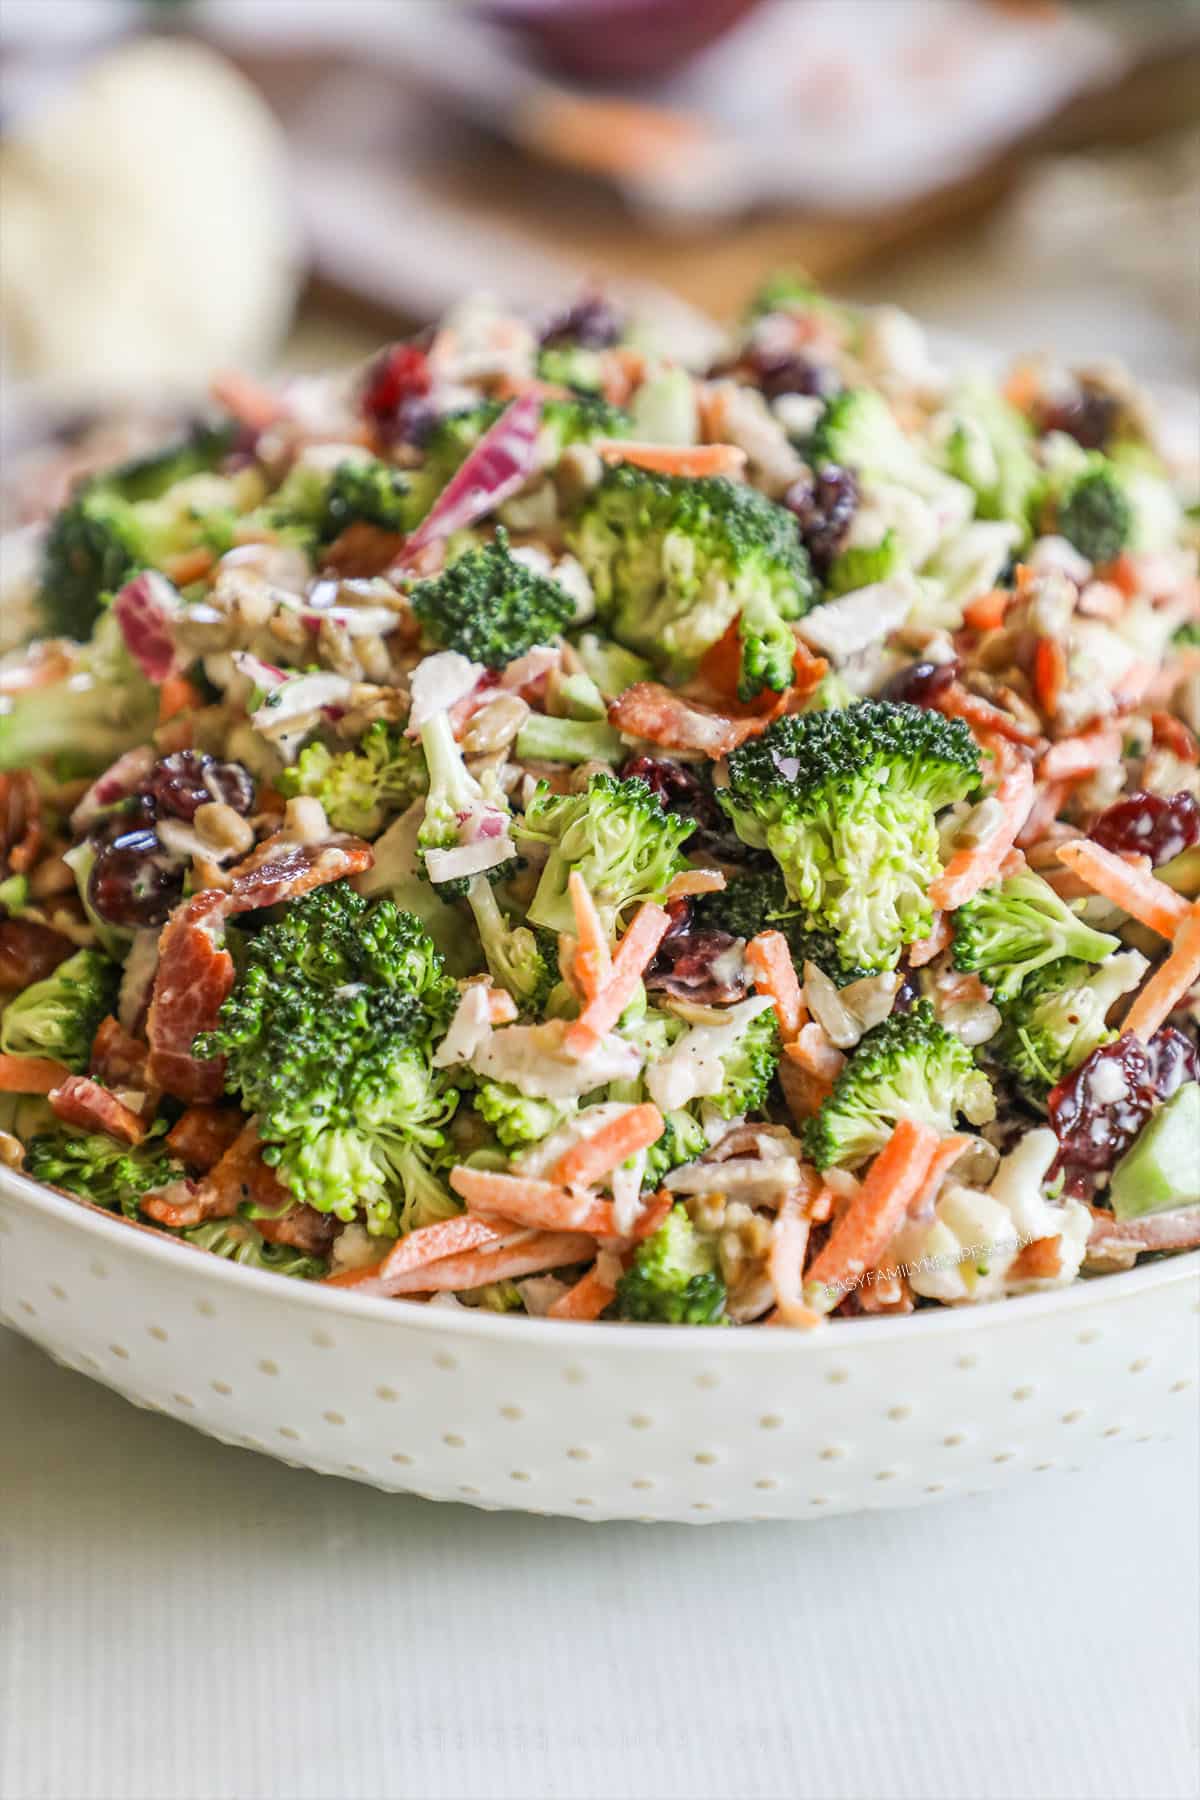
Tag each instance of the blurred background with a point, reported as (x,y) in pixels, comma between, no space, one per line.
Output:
(190,184)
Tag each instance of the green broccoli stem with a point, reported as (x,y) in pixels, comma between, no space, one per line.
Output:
(543,739)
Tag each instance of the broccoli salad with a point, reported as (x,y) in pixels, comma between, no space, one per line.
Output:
(536,826)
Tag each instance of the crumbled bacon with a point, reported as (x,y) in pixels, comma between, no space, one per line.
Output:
(203,1134)
(1159,1231)
(303,1227)
(280,869)
(194,978)
(28,953)
(117,1059)
(658,716)
(240,1178)
(20,822)
(83,1102)
(363,551)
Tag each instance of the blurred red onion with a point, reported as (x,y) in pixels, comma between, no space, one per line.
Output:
(618,39)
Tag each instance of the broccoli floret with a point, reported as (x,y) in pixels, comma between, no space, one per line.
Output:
(573,366)
(909,1067)
(320,502)
(490,607)
(1188,634)
(673,1278)
(522,961)
(101,1169)
(787,290)
(674,561)
(494,1296)
(617,836)
(749,1055)
(1059,1017)
(864,564)
(1016,927)
(58,1017)
(104,707)
(845,802)
(458,809)
(328,1034)
(858,431)
(990,448)
(683,1140)
(240,1241)
(360,788)
(1094,512)
(516,1119)
(117,523)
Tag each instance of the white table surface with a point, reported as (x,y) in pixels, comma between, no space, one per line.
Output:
(184,1621)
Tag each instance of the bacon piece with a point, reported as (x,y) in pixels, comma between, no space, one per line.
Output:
(83,1102)
(194,978)
(28,952)
(240,1178)
(203,1134)
(20,822)
(280,869)
(654,713)
(362,551)
(1157,1231)
(983,718)
(117,1059)
(1039,1260)
(303,1227)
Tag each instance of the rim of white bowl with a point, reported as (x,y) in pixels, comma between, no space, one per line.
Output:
(147,1242)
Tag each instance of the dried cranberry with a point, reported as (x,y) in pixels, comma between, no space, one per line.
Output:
(1098,1110)
(921,683)
(178,785)
(1089,416)
(1149,825)
(593,323)
(397,375)
(824,502)
(133,881)
(787,372)
(679,789)
(684,967)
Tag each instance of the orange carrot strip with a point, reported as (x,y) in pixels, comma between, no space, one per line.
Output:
(634,953)
(1170,982)
(654,1214)
(925,949)
(30,1074)
(693,460)
(1049,674)
(369,1276)
(986,612)
(188,565)
(1074,757)
(586,1300)
(940,1163)
(531,1254)
(251,402)
(1131,687)
(812,1051)
(593,960)
(860,1236)
(973,867)
(774,973)
(446,1237)
(1042,814)
(695,881)
(1126,884)
(176,695)
(545,1205)
(586,1162)
(982,716)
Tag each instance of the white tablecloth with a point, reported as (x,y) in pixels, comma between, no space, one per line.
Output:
(184,1621)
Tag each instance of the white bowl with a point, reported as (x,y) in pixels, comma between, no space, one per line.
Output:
(603,1421)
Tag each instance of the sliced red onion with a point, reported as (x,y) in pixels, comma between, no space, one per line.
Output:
(116,783)
(533,667)
(146,609)
(499,465)
(468,859)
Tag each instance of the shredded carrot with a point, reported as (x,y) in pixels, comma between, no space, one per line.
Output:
(30,1074)
(592,965)
(654,1214)
(1127,884)
(368,1277)
(774,973)
(986,612)
(1170,982)
(1043,813)
(445,1237)
(634,954)
(975,865)
(545,1205)
(1123,574)
(925,949)
(940,1164)
(587,1299)
(1039,1260)
(1172,734)
(606,1149)
(813,1052)
(1074,757)
(1133,685)
(1022,385)
(894,1182)
(176,695)
(695,881)
(692,460)
(1049,674)
(251,402)
(187,566)
(530,1253)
